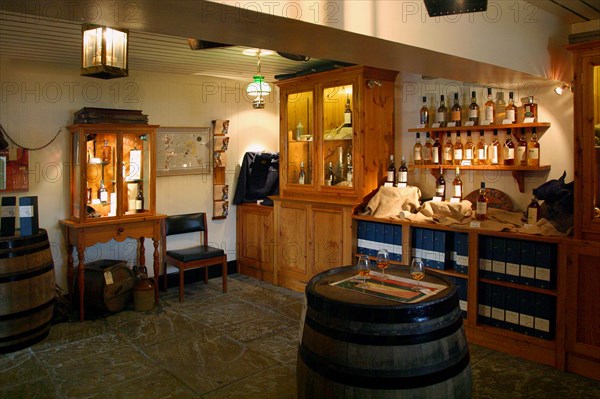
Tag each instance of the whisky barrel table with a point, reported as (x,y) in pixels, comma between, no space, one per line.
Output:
(355,345)
(27,289)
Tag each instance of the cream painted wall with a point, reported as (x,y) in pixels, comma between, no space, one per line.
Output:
(36,102)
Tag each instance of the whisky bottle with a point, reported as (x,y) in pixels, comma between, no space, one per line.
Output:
(139,199)
(418,151)
(500,108)
(427,150)
(424,113)
(469,148)
(511,108)
(436,151)
(102,193)
(481,157)
(473,110)
(530,108)
(456,111)
(509,149)
(403,173)
(106,151)
(521,158)
(348,113)
(458,150)
(482,202)
(302,174)
(442,112)
(440,186)
(533,210)
(448,150)
(490,107)
(533,150)
(391,171)
(330,175)
(457,185)
(494,150)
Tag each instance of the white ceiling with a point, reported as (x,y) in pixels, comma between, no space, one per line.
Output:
(45,40)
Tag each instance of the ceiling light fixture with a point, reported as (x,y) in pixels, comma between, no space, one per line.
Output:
(258,88)
(257,52)
(104,52)
(437,8)
(560,89)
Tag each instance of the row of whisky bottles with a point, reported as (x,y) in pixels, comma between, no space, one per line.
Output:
(518,152)
(494,112)
(103,197)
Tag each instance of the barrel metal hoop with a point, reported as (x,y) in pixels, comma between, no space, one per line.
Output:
(413,313)
(31,332)
(27,312)
(23,241)
(27,275)
(384,340)
(375,380)
(22,251)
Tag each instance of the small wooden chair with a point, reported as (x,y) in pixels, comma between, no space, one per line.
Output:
(194,257)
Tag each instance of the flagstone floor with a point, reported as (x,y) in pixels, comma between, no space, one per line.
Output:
(241,344)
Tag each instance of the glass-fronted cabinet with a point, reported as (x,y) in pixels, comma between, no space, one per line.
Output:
(300,140)
(325,120)
(338,135)
(587,138)
(112,171)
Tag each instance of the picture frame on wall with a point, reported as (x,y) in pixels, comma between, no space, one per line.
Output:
(183,151)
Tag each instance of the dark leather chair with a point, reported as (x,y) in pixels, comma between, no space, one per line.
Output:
(201,255)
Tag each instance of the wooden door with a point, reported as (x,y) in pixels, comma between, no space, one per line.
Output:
(331,237)
(255,241)
(292,244)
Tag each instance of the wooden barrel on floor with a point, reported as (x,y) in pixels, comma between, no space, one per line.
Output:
(355,345)
(27,289)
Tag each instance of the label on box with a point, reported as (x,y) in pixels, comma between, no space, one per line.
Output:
(529,120)
(485,310)
(527,271)
(542,324)
(455,200)
(526,320)
(388,184)
(26,211)
(402,185)
(108,278)
(436,199)
(485,264)
(498,314)
(512,317)
(512,269)
(451,124)
(475,225)
(463,305)
(499,267)
(507,121)
(8,211)
(462,260)
(542,273)
(469,123)
(434,125)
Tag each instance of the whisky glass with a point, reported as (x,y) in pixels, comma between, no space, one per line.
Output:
(383,261)
(417,272)
(363,267)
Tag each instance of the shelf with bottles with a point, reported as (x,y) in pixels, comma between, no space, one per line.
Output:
(542,126)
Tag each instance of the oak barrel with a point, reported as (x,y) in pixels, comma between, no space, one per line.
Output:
(27,289)
(355,345)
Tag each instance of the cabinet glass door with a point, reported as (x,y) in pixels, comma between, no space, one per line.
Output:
(337,136)
(300,122)
(101,178)
(136,173)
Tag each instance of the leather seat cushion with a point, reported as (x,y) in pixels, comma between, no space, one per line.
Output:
(195,253)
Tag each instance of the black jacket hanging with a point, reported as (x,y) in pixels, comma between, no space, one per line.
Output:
(259,177)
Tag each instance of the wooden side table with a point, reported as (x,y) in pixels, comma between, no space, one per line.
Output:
(83,235)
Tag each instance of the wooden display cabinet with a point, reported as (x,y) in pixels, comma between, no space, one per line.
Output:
(255,246)
(337,130)
(112,193)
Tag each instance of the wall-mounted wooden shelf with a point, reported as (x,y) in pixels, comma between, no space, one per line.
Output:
(488,128)
(518,172)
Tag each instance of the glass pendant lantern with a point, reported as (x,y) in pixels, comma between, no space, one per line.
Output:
(104,53)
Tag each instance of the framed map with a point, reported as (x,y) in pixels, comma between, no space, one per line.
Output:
(183,151)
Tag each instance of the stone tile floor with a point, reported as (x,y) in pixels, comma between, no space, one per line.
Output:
(236,345)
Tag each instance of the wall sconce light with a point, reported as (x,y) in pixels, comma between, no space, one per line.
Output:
(105,52)
(258,88)
(560,89)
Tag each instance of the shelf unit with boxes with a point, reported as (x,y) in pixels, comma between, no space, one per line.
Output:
(517,171)
(512,287)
